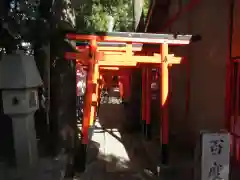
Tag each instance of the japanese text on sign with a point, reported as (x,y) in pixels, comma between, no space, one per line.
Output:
(215,156)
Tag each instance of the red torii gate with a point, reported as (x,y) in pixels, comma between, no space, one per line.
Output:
(118,50)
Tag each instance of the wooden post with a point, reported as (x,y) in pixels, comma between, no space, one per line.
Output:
(148,103)
(164,103)
(88,102)
(95,93)
(144,100)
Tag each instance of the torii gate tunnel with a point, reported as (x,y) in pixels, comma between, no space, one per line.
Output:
(116,51)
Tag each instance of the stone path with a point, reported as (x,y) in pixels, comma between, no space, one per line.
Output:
(115,153)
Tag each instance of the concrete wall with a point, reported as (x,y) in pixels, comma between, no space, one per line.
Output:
(207,60)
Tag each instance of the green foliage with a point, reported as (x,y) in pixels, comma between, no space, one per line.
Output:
(146,6)
(17,24)
(92,15)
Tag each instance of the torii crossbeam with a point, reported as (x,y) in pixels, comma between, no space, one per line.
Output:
(120,50)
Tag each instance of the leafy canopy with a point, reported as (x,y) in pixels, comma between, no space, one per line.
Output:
(19,23)
(92,15)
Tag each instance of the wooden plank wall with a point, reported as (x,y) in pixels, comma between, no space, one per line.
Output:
(236,30)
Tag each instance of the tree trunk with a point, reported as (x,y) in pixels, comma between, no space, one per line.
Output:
(135,99)
(138,15)
(4,7)
(63,78)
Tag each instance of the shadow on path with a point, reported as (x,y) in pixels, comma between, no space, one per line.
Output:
(115,153)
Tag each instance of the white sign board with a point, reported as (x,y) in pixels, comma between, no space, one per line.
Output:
(215,156)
